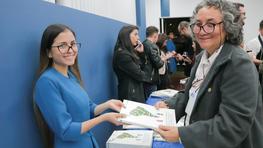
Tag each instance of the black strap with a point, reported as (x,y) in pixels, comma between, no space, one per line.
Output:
(260,41)
(260,54)
(261,57)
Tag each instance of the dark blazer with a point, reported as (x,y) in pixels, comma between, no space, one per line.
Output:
(228,109)
(127,66)
(151,61)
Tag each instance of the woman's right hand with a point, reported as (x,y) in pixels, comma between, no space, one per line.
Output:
(139,48)
(113,118)
(179,57)
(161,104)
(187,59)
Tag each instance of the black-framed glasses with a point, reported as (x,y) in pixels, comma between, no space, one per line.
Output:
(207,28)
(64,48)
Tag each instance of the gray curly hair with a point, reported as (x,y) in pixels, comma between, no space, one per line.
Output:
(183,24)
(233,29)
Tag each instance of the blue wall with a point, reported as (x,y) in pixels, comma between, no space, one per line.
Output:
(165,8)
(22,24)
(141,18)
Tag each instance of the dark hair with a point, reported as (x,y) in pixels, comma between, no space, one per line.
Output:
(233,29)
(123,40)
(48,37)
(172,33)
(238,17)
(238,5)
(161,39)
(151,30)
(46,134)
(261,24)
(198,48)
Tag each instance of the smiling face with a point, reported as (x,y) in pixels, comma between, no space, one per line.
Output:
(62,61)
(210,41)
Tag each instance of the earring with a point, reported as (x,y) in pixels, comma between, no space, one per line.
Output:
(49,55)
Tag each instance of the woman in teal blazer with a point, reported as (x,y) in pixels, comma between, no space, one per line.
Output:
(62,106)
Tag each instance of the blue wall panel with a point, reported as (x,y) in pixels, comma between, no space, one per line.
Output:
(165,8)
(22,24)
(141,18)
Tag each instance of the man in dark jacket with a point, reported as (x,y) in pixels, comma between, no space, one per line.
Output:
(151,59)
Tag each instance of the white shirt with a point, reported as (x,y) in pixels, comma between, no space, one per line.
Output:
(201,72)
(163,68)
(254,45)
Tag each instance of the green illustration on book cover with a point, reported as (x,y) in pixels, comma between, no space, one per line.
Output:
(140,111)
(125,135)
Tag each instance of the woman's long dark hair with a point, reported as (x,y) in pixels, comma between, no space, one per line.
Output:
(123,40)
(160,42)
(48,37)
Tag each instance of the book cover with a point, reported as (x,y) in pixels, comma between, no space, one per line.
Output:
(130,139)
(165,93)
(147,116)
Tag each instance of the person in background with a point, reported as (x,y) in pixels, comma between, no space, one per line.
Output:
(163,71)
(240,18)
(170,46)
(254,48)
(63,108)
(152,60)
(242,13)
(185,32)
(196,47)
(222,102)
(127,65)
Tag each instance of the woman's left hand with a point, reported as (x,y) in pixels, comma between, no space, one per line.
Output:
(113,118)
(139,48)
(115,104)
(169,133)
(179,57)
(187,59)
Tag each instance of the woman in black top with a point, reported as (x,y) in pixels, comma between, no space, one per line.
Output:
(127,65)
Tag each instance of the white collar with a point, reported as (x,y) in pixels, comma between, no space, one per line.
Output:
(206,63)
(210,60)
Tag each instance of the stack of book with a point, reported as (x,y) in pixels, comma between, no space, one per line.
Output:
(147,116)
(141,119)
(165,93)
(130,139)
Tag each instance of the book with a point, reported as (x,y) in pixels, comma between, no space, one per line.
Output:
(146,116)
(130,139)
(165,93)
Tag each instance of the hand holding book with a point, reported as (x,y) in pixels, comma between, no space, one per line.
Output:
(146,115)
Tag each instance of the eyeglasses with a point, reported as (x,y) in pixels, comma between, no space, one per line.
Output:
(207,28)
(64,48)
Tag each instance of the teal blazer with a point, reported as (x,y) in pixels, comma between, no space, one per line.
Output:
(64,105)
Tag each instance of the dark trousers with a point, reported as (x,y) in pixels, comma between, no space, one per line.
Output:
(164,82)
